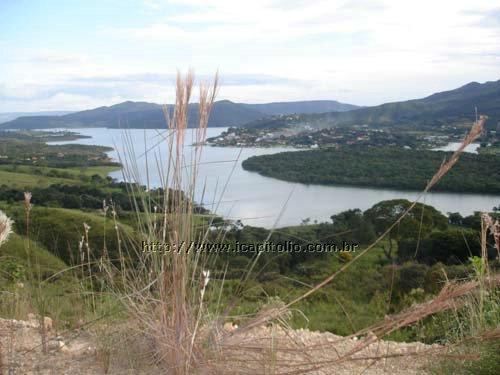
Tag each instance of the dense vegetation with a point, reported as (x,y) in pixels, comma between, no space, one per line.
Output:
(40,136)
(427,248)
(20,148)
(388,167)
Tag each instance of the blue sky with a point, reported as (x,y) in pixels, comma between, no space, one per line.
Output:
(72,55)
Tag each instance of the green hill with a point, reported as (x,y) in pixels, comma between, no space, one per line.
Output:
(59,230)
(150,115)
(136,115)
(14,255)
(443,108)
(311,106)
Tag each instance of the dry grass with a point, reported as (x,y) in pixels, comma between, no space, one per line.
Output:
(5,227)
(5,232)
(164,293)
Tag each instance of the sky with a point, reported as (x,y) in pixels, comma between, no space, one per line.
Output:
(74,55)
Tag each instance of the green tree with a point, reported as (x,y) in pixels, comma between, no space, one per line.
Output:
(419,222)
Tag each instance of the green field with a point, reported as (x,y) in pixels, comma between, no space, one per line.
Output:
(25,180)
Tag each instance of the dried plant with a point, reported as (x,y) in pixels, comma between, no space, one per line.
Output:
(5,227)
(494,228)
(165,292)
(27,209)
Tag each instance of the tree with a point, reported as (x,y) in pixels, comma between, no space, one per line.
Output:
(452,246)
(419,222)
(454,218)
(354,222)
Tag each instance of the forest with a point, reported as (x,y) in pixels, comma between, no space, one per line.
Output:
(387,167)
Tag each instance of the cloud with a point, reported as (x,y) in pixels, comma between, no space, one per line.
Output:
(58,102)
(358,27)
(158,78)
(360,51)
(105,88)
(55,57)
(491,18)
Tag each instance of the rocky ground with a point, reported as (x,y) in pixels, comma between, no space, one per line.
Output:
(76,353)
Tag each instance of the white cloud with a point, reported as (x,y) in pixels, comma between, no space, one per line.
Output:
(47,56)
(360,51)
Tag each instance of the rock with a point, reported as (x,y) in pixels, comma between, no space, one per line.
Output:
(48,324)
(31,316)
(230,327)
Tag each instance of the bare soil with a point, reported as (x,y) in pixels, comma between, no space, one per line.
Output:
(76,353)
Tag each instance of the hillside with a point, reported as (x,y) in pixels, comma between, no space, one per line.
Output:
(150,115)
(9,116)
(135,115)
(454,106)
(312,106)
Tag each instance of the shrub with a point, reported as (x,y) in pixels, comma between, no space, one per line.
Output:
(452,246)
(410,276)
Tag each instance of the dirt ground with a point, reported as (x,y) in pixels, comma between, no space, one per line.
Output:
(310,352)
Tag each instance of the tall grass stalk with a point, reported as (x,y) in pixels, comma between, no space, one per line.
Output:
(164,292)
(5,232)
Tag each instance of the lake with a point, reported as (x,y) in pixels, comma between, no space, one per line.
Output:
(258,200)
(453,146)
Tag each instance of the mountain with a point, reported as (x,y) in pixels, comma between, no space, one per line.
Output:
(447,107)
(150,115)
(311,106)
(9,116)
(136,115)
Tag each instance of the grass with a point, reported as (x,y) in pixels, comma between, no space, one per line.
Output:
(60,230)
(15,252)
(26,181)
(487,364)
(165,294)
(102,171)
(492,150)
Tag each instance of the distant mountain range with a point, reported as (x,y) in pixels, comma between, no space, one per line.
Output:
(9,116)
(150,115)
(445,107)
(448,107)
(312,106)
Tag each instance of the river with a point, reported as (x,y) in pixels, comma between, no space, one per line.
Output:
(259,200)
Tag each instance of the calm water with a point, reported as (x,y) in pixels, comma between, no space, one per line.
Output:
(258,200)
(453,146)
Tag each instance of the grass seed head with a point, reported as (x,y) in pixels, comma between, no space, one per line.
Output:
(5,228)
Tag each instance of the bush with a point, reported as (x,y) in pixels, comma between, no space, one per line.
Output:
(452,246)
(410,276)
